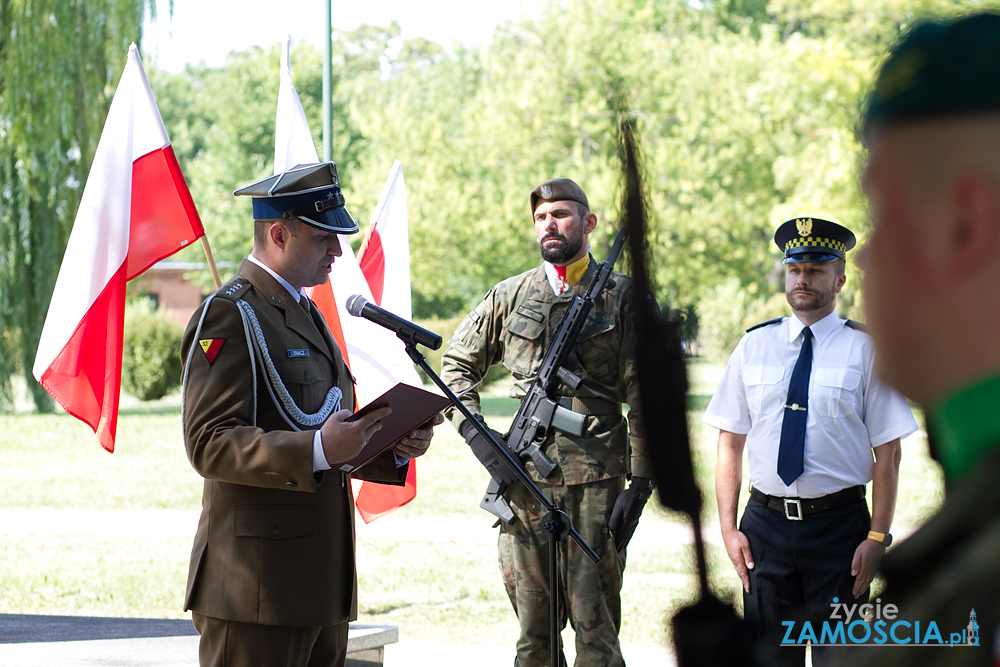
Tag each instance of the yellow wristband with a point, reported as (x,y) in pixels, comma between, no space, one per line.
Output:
(882,538)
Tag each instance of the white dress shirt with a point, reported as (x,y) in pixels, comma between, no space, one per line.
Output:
(849,410)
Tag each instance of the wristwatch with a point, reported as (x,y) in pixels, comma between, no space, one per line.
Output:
(884,538)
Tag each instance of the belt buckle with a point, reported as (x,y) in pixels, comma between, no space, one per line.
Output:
(797,505)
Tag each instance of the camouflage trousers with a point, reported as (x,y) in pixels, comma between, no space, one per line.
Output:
(590,593)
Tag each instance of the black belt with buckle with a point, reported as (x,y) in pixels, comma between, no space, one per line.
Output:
(795,509)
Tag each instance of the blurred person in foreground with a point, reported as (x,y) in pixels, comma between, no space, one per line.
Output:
(932,291)
(267,402)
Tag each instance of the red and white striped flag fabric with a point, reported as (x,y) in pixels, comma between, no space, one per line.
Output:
(384,255)
(135,210)
(376,357)
(384,258)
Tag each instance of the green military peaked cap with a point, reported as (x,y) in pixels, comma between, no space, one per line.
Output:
(939,68)
(309,192)
(557,189)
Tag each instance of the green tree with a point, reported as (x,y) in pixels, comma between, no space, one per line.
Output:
(221,123)
(59,63)
(747,112)
(151,366)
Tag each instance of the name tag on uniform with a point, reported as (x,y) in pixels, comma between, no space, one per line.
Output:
(298,353)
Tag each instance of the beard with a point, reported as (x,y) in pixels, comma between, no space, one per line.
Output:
(812,301)
(561,252)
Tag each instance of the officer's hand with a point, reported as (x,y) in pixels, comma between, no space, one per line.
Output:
(864,565)
(488,456)
(628,507)
(343,439)
(738,548)
(419,439)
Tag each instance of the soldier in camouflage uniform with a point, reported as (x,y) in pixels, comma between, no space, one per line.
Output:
(513,325)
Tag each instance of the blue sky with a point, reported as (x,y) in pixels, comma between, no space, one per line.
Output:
(207,30)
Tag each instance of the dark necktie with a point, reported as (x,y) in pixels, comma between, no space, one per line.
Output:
(304,302)
(793,425)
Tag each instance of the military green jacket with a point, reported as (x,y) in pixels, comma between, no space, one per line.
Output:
(947,569)
(514,325)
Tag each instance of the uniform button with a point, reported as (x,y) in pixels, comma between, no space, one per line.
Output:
(290,483)
(308,377)
(276,298)
(276,531)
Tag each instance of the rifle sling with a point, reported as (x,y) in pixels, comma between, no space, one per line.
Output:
(589,406)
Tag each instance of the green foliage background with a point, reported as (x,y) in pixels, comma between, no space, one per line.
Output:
(151,364)
(59,61)
(747,110)
(747,113)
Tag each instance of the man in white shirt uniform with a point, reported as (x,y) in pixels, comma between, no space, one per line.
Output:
(799,394)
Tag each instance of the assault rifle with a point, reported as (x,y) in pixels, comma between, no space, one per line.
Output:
(540,411)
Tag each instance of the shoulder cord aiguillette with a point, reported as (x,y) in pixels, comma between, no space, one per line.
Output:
(291,413)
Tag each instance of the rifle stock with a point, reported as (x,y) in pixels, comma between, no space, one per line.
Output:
(494,502)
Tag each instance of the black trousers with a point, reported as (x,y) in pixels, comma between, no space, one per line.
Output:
(799,568)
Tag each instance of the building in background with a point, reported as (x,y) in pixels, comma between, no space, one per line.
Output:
(166,283)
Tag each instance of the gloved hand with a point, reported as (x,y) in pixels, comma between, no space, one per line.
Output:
(628,507)
(488,456)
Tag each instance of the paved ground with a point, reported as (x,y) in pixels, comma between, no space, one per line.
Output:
(172,643)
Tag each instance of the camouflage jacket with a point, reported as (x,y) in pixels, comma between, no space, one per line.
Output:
(513,326)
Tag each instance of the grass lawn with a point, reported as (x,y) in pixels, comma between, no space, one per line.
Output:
(90,533)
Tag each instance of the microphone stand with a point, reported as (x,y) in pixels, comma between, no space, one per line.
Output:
(556,524)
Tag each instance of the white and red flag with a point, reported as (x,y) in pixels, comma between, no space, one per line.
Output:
(135,210)
(376,357)
(293,142)
(384,258)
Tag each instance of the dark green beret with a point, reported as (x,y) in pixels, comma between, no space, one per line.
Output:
(939,68)
(557,189)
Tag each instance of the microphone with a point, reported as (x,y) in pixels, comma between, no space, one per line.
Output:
(358,306)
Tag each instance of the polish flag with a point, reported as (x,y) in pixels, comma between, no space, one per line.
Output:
(293,142)
(384,258)
(384,254)
(376,357)
(135,210)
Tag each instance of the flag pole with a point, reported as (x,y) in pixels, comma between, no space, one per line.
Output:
(328,83)
(211,261)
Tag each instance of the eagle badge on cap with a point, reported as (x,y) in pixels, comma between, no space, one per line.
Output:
(546,192)
(804,225)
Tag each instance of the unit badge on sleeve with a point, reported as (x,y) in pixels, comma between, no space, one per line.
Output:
(211,347)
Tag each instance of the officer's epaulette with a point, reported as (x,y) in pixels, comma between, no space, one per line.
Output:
(776,320)
(234,288)
(857,325)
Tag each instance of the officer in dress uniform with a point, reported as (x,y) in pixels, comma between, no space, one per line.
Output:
(932,267)
(266,402)
(799,395)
